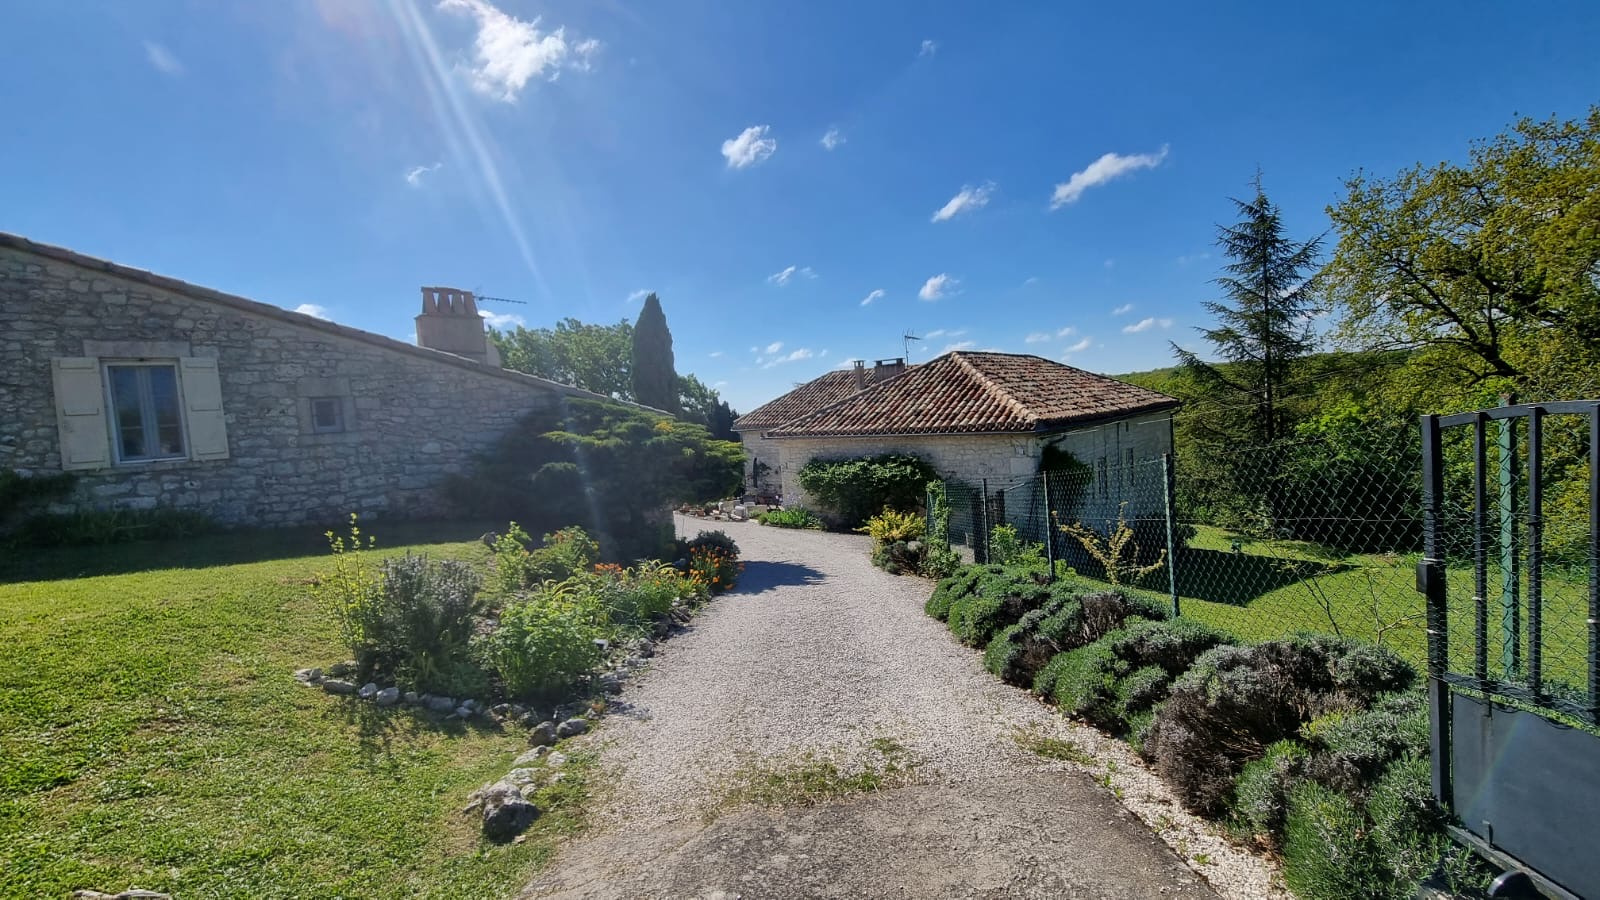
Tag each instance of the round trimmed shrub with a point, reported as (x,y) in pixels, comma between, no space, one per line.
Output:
(1261,795)
(1352,749)
(1328,852)
(1237,701)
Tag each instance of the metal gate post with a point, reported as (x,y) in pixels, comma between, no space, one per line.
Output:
(1431,582)
(1169,506)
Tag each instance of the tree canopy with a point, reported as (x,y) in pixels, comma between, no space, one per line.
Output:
(1490,270)
(593,357)
(600,358)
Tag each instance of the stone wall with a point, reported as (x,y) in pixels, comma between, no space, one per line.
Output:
(411,416)
(1002,459)
(972,458)
(758,449)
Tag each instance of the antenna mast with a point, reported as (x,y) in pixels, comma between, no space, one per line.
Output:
(905,343)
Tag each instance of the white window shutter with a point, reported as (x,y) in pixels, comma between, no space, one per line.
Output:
(202,399)
(81,412)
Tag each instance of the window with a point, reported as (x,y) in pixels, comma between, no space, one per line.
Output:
(327,415)
(146,412)
(137,406)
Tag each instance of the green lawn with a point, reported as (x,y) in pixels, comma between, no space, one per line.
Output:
(1269,588)
(151,735)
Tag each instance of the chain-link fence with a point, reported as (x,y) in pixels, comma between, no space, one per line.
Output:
(1323,534)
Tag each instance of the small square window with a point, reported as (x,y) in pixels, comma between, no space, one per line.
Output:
(327,414)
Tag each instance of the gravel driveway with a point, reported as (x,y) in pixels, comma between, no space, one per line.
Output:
(819,652)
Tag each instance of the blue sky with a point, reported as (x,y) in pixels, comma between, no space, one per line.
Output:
(1040,178)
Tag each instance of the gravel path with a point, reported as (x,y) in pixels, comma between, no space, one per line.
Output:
(819,652)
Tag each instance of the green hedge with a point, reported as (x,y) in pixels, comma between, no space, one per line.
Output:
(850,491)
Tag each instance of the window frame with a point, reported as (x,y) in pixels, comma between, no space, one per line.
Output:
(338,409)
(147,411)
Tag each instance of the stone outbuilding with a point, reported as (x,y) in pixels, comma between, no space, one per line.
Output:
(976,417)
(155,392)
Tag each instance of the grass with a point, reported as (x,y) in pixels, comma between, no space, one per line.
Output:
(151,735)
(1052,748)
(1270,588)
(809,778)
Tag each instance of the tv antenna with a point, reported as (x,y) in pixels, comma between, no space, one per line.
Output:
(905,342)
(478,296)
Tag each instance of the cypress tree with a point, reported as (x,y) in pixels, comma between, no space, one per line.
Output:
(1264,325)
(655,383)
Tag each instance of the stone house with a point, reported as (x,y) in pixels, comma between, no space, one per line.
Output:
(980,418)
(155,392)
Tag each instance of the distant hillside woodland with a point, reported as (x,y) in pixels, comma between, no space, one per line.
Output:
(1445,289)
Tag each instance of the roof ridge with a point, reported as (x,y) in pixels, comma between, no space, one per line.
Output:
(239,302)
(1000,394)
(904,371)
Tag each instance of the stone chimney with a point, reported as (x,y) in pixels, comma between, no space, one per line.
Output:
(885,369)
(450,322)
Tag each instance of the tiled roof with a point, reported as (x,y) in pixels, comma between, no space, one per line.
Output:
(977,393)
(816,394)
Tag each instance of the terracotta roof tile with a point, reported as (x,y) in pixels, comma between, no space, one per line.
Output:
(977,393)
(816,394)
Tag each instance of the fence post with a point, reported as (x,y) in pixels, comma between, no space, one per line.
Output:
(1170,505)
(1049,528)
(980,549)
(1510,624)
(1431,582)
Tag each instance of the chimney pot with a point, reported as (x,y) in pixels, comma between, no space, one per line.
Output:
(450,322)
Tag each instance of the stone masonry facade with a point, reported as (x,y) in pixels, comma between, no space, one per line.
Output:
(409,417)
(998,459)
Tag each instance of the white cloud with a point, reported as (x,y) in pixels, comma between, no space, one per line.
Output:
(793,356)
(945,332)
(720,384)
(314,311)
(959,345)
(1030,280)
(637,296)
(509,52)
(1124,309)
(585,50)
(415,174)
(831,139)
(750,147)
(1102,170)
(716,354)
(1188,258)
(968,199)
(941,285)
(774,347)
(1038,337)
(1146,324)
(503,321)
(787,275)
(929,48)
(1068,331)
(162,59)
(1078,347)
(877,294)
